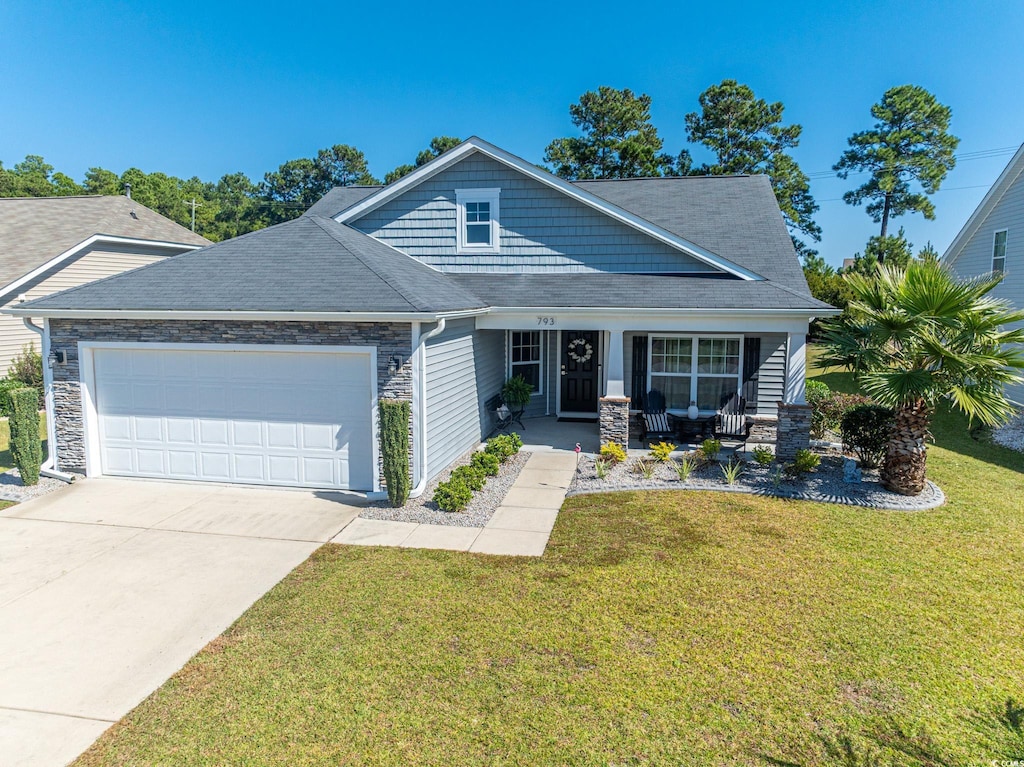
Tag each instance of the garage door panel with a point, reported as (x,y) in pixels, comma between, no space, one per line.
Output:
(181,463)
(264,417)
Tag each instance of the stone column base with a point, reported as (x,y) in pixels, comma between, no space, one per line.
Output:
(794,430)
(615,420)
(763,428)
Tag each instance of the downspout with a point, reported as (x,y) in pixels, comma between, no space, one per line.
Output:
(420,437)
(49,467)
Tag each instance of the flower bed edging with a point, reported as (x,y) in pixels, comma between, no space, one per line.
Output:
(932,496)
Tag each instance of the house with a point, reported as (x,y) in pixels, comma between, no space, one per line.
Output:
(49,244)
(992,240)
(262,359)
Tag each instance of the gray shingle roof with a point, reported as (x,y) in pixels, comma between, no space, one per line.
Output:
(309,264)
(736,217)
(34,230)
(338,199)
(600,291)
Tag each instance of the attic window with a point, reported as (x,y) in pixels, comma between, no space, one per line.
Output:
(477,220)
(999,252)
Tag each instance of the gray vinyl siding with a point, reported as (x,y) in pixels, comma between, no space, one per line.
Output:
(92,264)
(771,375)
(452,401)
(489,347)
(541,229)
(771,384)
(976,255)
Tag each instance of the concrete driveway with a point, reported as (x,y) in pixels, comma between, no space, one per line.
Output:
(109,586)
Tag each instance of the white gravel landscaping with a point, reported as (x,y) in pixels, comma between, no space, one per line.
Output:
(825,484)
(12,489)
(424,511)
(1011,435)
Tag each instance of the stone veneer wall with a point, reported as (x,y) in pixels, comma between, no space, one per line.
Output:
(389,338)
(763,428)
(794,430)
(615,420)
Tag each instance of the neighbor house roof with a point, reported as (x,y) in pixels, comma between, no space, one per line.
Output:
(309,264)
(35,230)
(340,198)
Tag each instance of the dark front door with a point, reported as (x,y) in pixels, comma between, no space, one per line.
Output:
(579,371)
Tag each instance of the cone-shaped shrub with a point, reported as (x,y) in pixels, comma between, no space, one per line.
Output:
(394,449)
(26,449)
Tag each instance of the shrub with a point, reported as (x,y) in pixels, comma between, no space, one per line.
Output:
(601,468)
(503,446)
(803,462)
(865,430)
(473,478)
(827,412)
(26,449)
(6,387)
(394,448)
(486,463)
(662,451)
(684,468)
(731,470)
(763,455)
(453,495)
(710,448)
(27,367)
(613,452)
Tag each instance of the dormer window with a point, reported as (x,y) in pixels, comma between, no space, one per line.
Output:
(477,220)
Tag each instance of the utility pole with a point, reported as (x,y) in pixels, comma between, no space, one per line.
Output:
(193,205)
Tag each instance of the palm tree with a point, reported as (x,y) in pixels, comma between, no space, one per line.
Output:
(916,335)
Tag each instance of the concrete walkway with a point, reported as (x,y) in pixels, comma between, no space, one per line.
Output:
(109,586)
(519,527)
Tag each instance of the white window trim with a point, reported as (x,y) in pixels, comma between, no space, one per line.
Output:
(462,196)
(696,339)
(510,370)
(1006,247)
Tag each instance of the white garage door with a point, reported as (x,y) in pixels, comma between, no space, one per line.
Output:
(291,418)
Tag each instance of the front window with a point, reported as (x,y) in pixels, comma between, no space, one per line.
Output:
(691,369)
(999,252)
(525,357)
(477,220)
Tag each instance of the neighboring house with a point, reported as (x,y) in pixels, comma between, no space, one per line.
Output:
(992,240)
(262,359)
(49,244)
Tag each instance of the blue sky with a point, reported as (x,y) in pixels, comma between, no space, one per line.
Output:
(210,88)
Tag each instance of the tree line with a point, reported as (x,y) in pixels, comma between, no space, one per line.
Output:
(905,156)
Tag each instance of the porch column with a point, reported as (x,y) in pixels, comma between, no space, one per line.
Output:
(796,369)
(616,373)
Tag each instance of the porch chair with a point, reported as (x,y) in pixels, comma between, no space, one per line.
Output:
(500,413)
(654,420)
(731,422)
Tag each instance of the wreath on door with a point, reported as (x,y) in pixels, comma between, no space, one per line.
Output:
(574,350)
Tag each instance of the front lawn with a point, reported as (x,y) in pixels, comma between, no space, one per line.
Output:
(658,628)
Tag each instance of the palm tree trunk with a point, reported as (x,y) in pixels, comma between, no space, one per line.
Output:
(906,454)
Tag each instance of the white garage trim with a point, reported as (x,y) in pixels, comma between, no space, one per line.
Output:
(90,412)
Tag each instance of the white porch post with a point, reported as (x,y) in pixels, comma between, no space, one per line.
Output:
(616,375)
(796,369)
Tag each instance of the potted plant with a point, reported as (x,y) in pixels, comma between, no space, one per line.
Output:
(516,393)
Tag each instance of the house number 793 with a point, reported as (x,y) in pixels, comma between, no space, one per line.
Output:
(548,321)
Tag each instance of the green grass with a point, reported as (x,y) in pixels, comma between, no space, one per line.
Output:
(658,628)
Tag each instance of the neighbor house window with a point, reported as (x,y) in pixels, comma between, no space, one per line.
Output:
(686,369)
(999,252)
(477,220)
(525,357)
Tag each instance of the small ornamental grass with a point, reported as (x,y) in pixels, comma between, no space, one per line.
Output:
(684,468)
(731,470)
(662,451)
(601,467)
(645,467)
